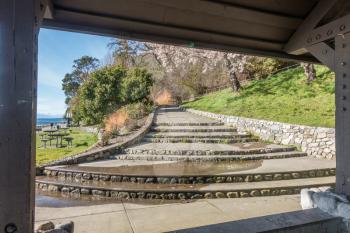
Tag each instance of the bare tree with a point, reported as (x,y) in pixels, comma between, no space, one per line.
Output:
(178,58)
(125,51)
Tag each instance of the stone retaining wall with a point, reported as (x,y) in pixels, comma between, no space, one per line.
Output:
(90,129)
(77,189)
(315,141)
(84,176)
(104,152)
(93,130)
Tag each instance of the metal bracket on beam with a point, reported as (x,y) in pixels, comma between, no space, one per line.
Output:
(329,31)
(46,9)
(315,40)
(323,53)
(297,43)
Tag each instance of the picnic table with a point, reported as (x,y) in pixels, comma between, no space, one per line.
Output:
(55,134)
(50,131)
(59,137)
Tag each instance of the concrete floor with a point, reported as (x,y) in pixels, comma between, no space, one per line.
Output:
(147,217)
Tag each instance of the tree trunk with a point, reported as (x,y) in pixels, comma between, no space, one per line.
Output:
(236,86)
(310,72)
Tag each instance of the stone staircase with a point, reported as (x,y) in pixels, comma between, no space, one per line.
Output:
(186,156)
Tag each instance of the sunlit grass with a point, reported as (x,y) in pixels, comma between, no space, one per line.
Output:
(81,142)
(284,97)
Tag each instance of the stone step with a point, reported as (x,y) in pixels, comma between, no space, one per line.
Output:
(198,151)
(221,135)
(193,129)
(217,158)
(128,190)
(198,140)
(195,172)
(188,123)
(170,108)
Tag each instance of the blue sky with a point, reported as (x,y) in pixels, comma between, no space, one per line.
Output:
(57,50)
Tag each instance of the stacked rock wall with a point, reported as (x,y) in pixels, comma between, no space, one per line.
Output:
(315,141)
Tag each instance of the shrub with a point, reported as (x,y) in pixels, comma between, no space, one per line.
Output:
(138,110)
(115,121)
(109,88)
(106,136)
(126,118)
(100,94)
(136,85)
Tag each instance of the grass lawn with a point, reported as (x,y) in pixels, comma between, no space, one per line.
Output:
(81,142)
(284,97)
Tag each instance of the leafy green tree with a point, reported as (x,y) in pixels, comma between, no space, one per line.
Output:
(100,94)
(136,85)
(70,86)
(82,68)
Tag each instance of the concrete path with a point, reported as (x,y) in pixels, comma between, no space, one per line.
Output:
(176,116)
(155,217)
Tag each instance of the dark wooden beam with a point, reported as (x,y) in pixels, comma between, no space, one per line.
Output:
(230,11)
(129,28)
(19,23)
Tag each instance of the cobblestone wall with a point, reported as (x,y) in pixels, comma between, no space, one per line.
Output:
(316,141)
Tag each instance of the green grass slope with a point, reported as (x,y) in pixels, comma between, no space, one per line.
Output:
(284,97)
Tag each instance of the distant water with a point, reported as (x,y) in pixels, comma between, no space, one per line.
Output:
(47,121)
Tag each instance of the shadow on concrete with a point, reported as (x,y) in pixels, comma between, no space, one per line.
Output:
(305,221)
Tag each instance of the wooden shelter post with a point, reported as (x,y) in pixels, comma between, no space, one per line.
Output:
(19,25)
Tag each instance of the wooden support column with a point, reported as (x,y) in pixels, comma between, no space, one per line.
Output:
(319,42)
(342,89)
(19,25)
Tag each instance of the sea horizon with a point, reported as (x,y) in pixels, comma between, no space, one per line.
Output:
(49,120)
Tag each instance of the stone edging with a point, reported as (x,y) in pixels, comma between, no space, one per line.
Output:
(167,194)
(105,152)
(315,141)
(66,174)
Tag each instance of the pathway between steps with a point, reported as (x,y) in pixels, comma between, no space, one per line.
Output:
(188,171)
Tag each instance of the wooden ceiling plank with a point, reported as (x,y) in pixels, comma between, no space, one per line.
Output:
(232,12)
